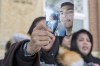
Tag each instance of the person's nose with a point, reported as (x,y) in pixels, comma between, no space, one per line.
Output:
(63,15)
(85,42)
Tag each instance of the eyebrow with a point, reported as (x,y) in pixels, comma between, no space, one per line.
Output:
(62,11)
(67,9)
(70,9)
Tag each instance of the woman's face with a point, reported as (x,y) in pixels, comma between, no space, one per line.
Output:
(84,44)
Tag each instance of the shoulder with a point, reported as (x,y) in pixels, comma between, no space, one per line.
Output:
(96,60)
(1,61)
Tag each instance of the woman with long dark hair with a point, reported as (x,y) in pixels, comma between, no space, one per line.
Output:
(82,43)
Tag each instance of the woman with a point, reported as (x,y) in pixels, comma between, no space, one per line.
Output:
(19,55)
(82,42)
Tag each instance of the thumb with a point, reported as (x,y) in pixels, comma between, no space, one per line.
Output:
(42,26)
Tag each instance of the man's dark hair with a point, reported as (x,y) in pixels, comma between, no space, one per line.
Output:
(35,22)
(67,4)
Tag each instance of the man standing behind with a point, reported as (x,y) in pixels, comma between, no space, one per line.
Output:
(66,17)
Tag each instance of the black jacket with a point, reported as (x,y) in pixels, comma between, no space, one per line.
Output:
(91,59)
(15,56)
(50,58)
(1,61)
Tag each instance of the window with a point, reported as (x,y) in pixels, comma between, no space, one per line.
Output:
(81,19)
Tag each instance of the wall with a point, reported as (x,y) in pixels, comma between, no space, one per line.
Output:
(17,16)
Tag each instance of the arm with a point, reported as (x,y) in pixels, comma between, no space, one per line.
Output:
(23,60)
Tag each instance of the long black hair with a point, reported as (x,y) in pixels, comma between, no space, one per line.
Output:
(74,46)
(34,23)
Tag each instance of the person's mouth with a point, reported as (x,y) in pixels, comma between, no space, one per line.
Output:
(85,48)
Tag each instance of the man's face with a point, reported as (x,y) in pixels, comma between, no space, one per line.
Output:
(66,16)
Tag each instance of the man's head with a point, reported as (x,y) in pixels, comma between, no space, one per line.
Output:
(66,14)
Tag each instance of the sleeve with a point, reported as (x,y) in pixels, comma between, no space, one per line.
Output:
(15,56)
(22,60)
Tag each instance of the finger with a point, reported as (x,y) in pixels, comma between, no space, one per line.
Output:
(42,38)
(51,35)
(42,26)
(45,28)
(38,49)
(40,33)
(42,43)
(47,33)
